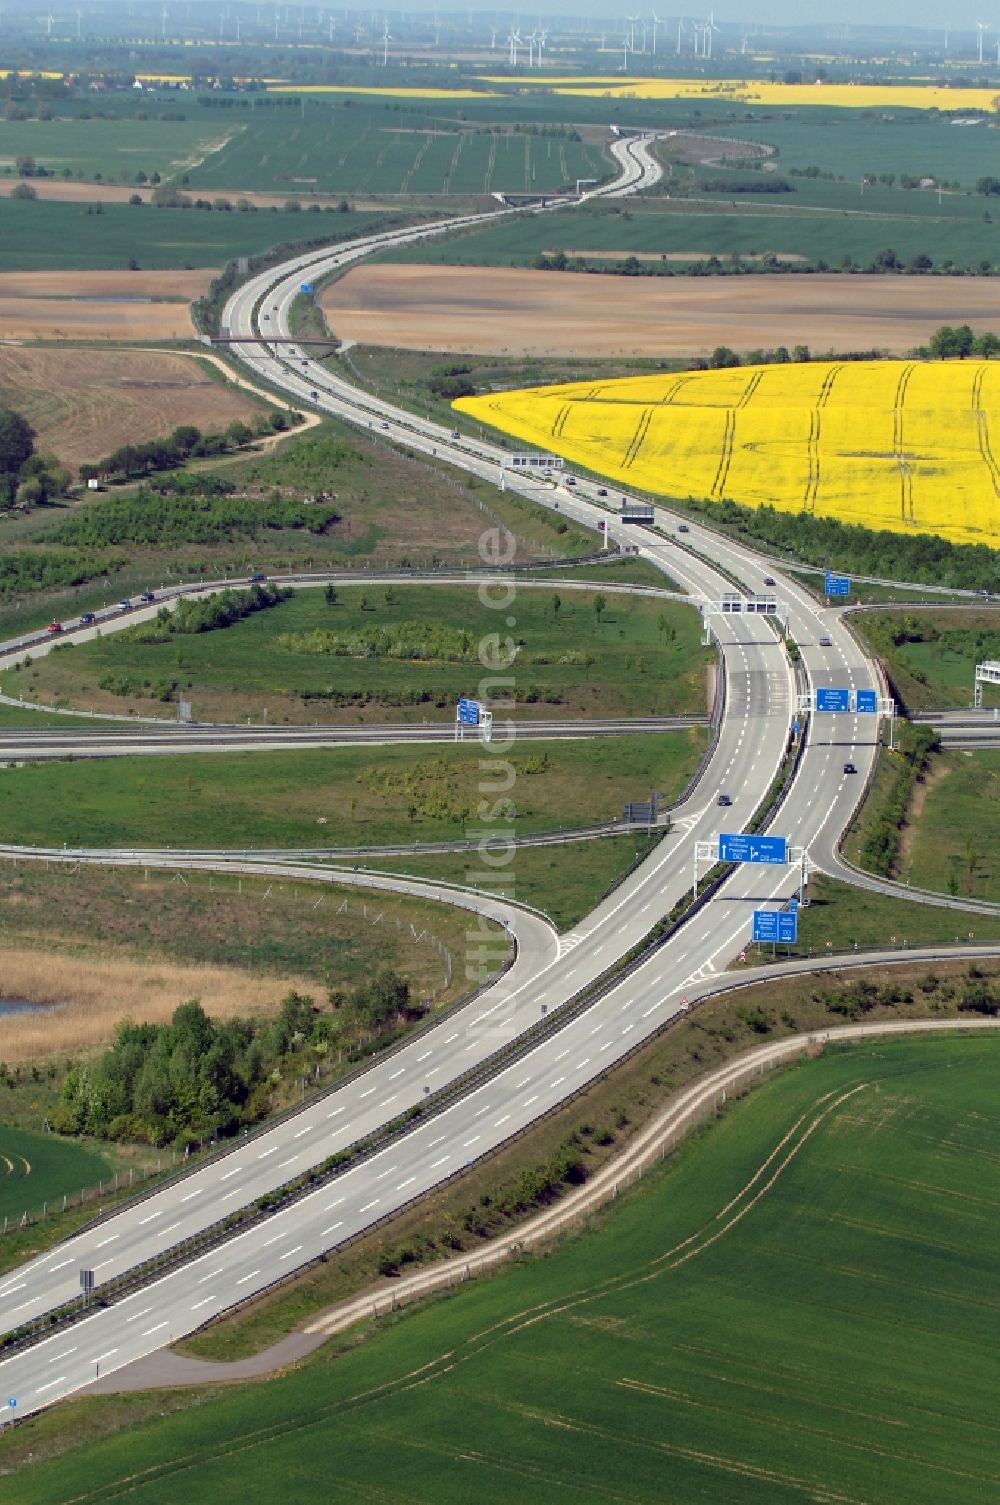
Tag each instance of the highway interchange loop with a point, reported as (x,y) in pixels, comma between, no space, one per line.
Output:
(548,970)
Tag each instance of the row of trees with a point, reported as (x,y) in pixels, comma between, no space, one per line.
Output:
(210,613)
(185,443)
(198,1076)
(884,262)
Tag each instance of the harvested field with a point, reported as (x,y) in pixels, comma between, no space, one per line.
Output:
(99,305)
(511,311)
(84,403)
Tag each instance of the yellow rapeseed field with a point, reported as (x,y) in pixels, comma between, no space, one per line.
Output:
(903,445)
(754,91)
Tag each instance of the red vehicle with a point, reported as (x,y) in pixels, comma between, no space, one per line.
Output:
(54,627)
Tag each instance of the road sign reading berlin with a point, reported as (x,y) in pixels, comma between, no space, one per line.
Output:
(468,712)
(836,585)
(740,848)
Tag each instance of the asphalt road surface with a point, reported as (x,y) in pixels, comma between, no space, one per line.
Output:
(760,708)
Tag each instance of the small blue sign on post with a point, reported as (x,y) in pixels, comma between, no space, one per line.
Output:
(306,287)
(833,700)
(836,585)
(468,712)
(780,926)
(12,1403)
(735,847)
(866,703)
(796,728)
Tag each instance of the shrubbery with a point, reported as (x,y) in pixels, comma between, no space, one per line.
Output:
(198,1076)
(182,515)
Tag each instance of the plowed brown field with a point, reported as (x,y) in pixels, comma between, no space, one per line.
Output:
(503,310)
(99,305)
(85,403)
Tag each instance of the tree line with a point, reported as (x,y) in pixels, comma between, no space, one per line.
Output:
(197,1076)
(154,517)
(185,443)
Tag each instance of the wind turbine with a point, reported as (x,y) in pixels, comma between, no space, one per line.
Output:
(532,39)
(680,33)
(514,42)
(707,31)
(982,27)
(386,39)
(657,21)
(631,31)
(543,37)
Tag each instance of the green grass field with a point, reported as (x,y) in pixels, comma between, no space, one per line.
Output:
(341,796)
(954,836)
(799,1308)
(113,149)
(640,657)
(910,223)
(566,881)
(931,656)
(375,150)
(843,918)
(40,1168)
(47,235)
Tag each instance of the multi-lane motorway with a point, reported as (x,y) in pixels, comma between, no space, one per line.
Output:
(548,972)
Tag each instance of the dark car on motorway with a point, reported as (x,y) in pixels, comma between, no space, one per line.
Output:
(849,768)
(724,799)
(257,577)
(86,617)
(147,597)
(768,579)
(683,528)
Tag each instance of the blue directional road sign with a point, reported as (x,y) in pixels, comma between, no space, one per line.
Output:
(833,700)
(867,702)
(468,712)
(778,925)
(836,585)
(740,848)
(305,287)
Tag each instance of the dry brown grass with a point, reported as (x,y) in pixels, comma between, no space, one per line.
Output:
(85,403)
(503,310)
(185,285)
(91,996)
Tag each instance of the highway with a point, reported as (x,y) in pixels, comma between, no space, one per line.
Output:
(760,692)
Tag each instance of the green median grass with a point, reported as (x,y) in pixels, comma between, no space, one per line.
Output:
(565,881)
(798,1308)
(931,655)
(308,660)
(340,796)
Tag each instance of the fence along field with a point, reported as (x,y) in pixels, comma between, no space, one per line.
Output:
(901,445)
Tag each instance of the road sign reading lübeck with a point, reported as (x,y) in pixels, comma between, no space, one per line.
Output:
(833,700)
(739,848)
(836,585)
(777,925)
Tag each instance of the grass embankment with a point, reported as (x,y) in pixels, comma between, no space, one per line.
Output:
(953,827)
(392,653)
(565,881)
(695,1352)
(334,797)
(931,656)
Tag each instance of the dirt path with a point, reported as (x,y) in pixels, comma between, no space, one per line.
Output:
(911,822)
(685,1111)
